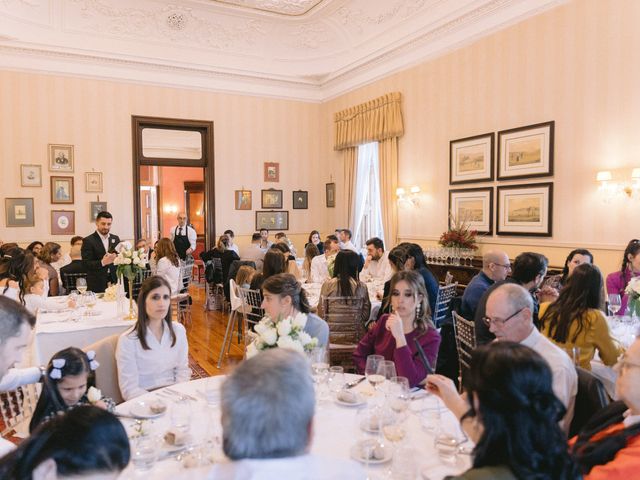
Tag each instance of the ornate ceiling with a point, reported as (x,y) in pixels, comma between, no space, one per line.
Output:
(303,49)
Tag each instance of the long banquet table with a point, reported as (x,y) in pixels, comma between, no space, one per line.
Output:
(335,427)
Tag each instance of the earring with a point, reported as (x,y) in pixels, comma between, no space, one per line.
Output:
(418,310)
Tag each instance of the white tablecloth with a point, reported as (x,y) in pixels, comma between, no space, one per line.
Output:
(335,432)
(313,295)
(69,328)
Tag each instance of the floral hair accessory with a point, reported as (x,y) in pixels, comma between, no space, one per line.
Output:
(58,364)
(93,363)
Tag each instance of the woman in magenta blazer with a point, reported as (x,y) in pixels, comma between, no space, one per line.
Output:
(617,281)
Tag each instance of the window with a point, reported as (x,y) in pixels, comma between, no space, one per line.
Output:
(367,211)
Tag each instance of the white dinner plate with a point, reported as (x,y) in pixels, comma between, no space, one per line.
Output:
(140,409)
(360,401)
(356,454)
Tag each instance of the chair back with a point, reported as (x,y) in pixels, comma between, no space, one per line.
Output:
(465,332)
(443,303)
(17,406)
(234,297)
(591,398)
(69,280)
(448,278)
(107,373)
(141,276)
(343,315)
(186,275)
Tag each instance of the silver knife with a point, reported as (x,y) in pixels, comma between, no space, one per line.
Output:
(355,382)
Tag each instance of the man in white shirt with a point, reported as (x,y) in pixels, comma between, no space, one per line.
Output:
(265,243)
(254,253)
(376,265)
(320,263)
(267,404)
(184,237)
(509,315)
(345,240)
(231,245)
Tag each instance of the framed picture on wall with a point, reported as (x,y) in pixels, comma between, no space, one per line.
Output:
(95,208)
(525,210)
(63,222)
(272,220)
(60,158)
(271,172)
(93,182)
(30,175)
(271,198)
(331,194)
(243,199)
(474,207)
(526,152)
(300,199)
(19,212)
(61,189)
(471,159)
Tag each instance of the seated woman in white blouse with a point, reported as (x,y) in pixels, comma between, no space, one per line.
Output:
(168,264)
(154,353)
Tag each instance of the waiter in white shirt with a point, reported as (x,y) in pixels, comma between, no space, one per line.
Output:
(184,237)
(376,265)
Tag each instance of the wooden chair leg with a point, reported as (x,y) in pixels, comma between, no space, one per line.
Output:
(227,337)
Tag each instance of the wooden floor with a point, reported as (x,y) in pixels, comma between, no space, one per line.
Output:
(206,333)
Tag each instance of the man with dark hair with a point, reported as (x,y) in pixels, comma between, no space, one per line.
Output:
(376,266)
(76,266)
(322,265)
(345,240)
(98,254)
(231,245)
(264,239)
(528,270)
(254,253)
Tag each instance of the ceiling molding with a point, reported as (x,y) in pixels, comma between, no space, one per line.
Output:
(182,46)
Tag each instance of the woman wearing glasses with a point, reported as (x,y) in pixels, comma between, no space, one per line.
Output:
(609,445)
(617,281)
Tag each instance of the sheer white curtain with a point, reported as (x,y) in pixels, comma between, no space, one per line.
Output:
(367,219)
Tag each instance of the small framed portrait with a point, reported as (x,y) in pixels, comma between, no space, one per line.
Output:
(526,152)
(61,190)
(474,207)
(471,159)
(19,212)
(30,175)
(93,182)
(525,210)
(272,220)
(60,158)
(271,172)
(331,194)
(63,222)
(243,199)
(271,198)
(300,199)
(95,208)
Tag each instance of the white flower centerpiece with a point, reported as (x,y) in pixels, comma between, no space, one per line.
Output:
(633,292)
(287,332)
(129,263)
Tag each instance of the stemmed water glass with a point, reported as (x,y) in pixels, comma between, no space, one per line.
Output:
(336,379)
(371,370)
(319,358)
(89,300)
(387,369)
(81,285)
(615,302)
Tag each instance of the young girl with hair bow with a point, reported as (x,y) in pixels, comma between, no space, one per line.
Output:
(69,381)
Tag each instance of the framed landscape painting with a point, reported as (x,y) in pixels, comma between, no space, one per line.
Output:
(471,159)
(30,175)
(525,210)
(526,152)
(271,198)
(243,199)
(272,220)
(60,158)
(63,222)
(474,207)
(19,212)
(61,189)
(300,199)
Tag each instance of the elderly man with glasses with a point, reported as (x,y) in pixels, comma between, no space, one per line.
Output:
(495,268)
(509,316)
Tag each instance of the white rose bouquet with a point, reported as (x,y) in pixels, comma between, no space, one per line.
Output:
(283,333)
(633,292)
(129,261)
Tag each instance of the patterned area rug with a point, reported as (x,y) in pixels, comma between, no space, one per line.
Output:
(196,370)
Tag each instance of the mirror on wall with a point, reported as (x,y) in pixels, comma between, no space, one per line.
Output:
(165,143)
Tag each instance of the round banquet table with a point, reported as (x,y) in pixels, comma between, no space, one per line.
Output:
(335,428)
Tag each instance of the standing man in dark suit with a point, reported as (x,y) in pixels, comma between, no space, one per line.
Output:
(98,254)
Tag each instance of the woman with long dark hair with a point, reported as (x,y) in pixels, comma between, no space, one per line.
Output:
(168,264)
(415,261)
(617,281)
(511,414)
(314,239)
(554,284)
(310,252)
(15,268)
(35,248)
(274,263)
(345,283)
(575,320)
(394,334)
(51,253)
(397,258)
(154,353)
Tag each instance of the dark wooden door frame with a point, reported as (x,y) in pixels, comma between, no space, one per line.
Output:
(205,128)
(194,187)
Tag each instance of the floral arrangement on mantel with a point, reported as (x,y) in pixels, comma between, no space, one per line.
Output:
(633,291)
(459,235)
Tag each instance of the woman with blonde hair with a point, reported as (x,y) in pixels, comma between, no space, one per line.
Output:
(310,252)
(168,264)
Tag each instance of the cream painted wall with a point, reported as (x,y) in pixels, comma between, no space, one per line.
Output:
(576,64)
(95,116)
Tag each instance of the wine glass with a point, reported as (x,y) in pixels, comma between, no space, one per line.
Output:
(387,369)
(371,370)
(89,300)
(81,285)
(615,303)
(399,394)
(319,358)
(336,379)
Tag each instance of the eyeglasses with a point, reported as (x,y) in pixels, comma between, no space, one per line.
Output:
(497,321)
(623,364)
(507,266)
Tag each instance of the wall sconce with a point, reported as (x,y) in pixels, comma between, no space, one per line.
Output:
(610,188)
(412,198)
(170,208)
